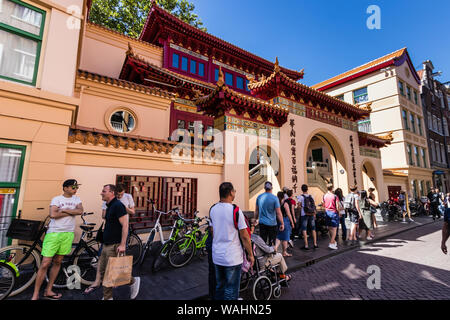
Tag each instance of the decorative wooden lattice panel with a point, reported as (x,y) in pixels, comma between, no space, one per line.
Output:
(167,192)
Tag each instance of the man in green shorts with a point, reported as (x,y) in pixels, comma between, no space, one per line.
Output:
(59,237)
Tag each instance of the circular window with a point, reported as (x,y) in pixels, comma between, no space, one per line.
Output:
(122,121)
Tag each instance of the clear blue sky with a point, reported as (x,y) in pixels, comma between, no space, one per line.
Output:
(330,37)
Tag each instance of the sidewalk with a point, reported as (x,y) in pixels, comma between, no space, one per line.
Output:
(191,281)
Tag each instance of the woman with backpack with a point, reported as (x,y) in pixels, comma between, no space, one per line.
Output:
(366,222)
(284,236)
(342,214)
(351,204)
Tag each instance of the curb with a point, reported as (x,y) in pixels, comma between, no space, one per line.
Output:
(338,252)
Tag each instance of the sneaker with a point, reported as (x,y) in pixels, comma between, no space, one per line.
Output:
(316,246)
(403,221)
(411,220)
(305,248)
(240,298)
(135,288)
(369,238)
(333,246)
(291,243)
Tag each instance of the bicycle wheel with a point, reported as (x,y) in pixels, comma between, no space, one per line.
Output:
(7,280)
(181,252)
(134,247)
(27,268)
(87,259)
(161,259)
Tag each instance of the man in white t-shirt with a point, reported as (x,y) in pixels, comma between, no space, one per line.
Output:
(227,253)
(125,198)
(59,237)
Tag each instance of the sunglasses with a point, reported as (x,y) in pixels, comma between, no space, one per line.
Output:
(75,187)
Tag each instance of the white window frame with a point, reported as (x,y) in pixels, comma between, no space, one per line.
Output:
(22,64)
(1,45)
(1,5)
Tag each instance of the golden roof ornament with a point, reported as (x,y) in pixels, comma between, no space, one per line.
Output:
(302,72)
(197,93)
(276,67)
(388,136)
(130,51)
(220,80)
(251,79)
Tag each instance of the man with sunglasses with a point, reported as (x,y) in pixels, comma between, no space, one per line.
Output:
(59,237)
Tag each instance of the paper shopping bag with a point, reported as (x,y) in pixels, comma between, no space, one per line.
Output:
(118,271)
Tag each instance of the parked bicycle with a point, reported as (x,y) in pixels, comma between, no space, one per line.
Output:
(27,258)
(176,231)
(184,249)
(85,256)
(7,279)
(180,227)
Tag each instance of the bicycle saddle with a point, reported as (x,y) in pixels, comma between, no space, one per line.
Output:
(87,228)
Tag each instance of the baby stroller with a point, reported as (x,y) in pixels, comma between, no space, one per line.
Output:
(262,282)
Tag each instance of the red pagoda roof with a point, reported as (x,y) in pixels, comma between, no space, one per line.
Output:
(161,24)
(227,99)
(370,140)
(278,83)
(138,70)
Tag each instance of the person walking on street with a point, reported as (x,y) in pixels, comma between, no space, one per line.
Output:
(342,214)
(267,212)
(373,209)
(227,251)
(402,201)
(351,204)
(58,240)
(284,236)
(445,230)
(308,216)
(433,196)
(292,204)
(128,202)
(366,222)
(114,237)
(330,202)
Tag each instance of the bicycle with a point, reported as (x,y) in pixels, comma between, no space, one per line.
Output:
(184,249)
(85,256)
(157,228)
(7,279)
(179,228)
(25,257)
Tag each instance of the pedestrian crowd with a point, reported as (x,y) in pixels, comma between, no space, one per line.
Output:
(233,245)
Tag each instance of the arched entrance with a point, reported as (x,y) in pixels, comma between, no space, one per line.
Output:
(325,163)
(369,178)
(264,165)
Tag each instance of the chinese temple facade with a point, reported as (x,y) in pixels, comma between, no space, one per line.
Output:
(178,111)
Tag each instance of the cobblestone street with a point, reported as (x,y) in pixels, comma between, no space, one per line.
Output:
(412,266)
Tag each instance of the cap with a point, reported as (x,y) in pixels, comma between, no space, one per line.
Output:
(70,182)
(268,185)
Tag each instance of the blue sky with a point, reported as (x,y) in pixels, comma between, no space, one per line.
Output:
(327,38)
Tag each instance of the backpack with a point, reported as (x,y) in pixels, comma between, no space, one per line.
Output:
(349,202)
(309,207)
(246,264)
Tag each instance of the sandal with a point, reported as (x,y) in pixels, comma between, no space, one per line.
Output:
(56,296)
(287,255)
(90,289)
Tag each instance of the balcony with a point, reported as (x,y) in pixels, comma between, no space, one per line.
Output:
(365,126)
